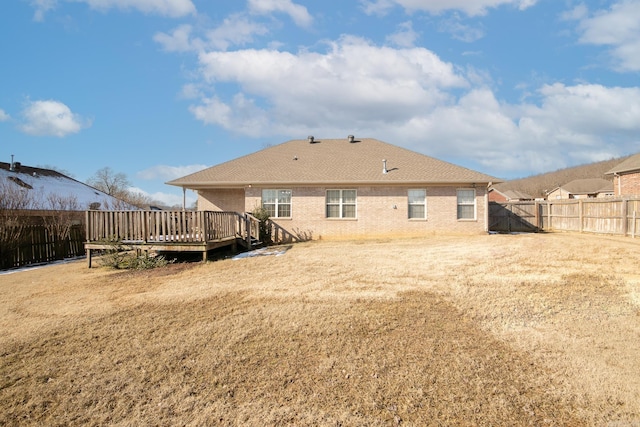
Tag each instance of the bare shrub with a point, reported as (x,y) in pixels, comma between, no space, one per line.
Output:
(62,215)
(119,258)
(13,199)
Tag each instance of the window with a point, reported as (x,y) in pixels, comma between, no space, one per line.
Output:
(277,203)
(417,204)
(467,204)
(341,203)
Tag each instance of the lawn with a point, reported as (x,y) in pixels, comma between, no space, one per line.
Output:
(449,330)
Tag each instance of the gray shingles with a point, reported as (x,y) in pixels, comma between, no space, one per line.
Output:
(630,165)
(332,161)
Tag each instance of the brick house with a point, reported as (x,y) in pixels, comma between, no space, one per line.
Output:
(590,188)
(347,188)
(502,195)
(626,177)
(47,189)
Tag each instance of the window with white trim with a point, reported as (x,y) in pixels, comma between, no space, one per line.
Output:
(417,204)
(277,203)
(341,203)
(467,203)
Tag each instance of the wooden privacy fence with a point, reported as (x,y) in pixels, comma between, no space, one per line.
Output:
(29,244)
(606,216)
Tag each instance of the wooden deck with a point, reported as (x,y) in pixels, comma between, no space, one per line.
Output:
(169,231)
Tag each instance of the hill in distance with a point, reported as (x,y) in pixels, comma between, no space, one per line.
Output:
(538,185)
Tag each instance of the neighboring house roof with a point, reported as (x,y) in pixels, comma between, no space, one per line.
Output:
(514,194)
(330,162)
(45,183)
(632,164)
(588,186)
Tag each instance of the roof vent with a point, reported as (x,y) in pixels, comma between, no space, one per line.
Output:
(384,166)
(310,139)
(351,138)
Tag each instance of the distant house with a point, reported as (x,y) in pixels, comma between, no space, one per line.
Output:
(343,188)
(496,195)
(582,189)
(46,189)
(626,177)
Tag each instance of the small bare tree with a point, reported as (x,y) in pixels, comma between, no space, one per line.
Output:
(117,185)
(62,213)
(13,199)
(110,182)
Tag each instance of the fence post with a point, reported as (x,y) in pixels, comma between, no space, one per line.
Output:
(625,217)
(86,219)
(581,214)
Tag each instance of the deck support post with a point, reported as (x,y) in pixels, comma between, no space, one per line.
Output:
(89,258)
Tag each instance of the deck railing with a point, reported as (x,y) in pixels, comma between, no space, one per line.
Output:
(163,227)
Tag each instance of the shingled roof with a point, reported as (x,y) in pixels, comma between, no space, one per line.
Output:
(588,186)
(330,162)
(47,185)
(632,164)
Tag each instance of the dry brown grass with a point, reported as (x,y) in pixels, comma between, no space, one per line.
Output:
(482,330)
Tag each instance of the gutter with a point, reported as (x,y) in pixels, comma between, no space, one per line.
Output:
(230,184)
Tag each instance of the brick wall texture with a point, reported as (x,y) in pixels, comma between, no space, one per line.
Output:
(381,211)
(627,185)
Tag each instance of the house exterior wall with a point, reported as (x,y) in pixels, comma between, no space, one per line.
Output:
(381,211)
(604,195)
(496,196)
(227,200)
(557,194)
(627,184)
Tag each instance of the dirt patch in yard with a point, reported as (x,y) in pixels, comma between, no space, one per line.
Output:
(482,330)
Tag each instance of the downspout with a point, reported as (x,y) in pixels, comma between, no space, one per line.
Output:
(184,199)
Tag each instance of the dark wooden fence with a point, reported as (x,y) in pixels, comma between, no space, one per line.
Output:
(605,216)
(35,243)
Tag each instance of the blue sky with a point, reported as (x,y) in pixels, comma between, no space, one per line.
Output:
(158,89)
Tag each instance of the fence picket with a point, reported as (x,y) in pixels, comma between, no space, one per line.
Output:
(603,216)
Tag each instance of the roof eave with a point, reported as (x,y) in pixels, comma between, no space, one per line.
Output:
(243,184)
(623,171)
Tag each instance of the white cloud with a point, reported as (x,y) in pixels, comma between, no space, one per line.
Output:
(42,7)
(569,125)
(167,173)
(179,40)
(190,91)
(411,97)
(170,8)
(469,7)
(4,116)
(460,31)
(406,36)
(235,30)
(377,7)
(353,81)
(51,118)
(298,14)
(617,27)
